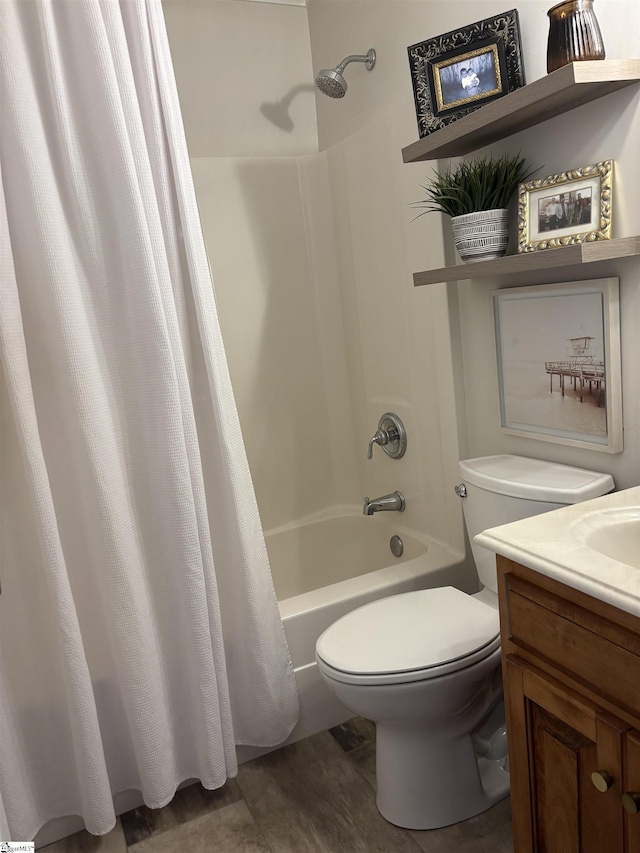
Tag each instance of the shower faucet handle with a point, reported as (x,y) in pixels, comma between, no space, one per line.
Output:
(380,438)
(391,436)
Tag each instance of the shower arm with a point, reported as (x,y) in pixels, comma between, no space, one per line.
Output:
(369,58)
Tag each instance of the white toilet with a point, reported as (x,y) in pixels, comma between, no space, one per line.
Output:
(425,665)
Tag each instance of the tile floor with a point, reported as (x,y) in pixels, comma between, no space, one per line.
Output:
(317,795)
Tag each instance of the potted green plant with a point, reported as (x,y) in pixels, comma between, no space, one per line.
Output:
(475,194)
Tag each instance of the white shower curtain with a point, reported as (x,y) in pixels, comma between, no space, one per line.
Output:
(140,638)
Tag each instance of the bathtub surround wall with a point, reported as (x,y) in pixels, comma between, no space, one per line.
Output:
(319,336)
(396,359)
(267,217)
(274,265)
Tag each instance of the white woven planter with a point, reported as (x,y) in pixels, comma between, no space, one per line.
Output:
(481,236)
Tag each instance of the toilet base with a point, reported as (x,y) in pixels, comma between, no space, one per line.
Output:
(426,783)
(440,745)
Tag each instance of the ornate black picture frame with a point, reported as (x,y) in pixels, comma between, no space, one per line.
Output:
(460,71)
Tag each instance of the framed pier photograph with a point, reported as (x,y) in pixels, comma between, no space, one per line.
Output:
(558,357)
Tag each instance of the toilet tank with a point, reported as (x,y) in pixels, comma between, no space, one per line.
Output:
(505,488)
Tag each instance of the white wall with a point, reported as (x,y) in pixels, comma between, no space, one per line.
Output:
(441,333)
(606,129)
(234,63)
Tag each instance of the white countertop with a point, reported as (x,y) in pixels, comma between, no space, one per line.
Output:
(547,543)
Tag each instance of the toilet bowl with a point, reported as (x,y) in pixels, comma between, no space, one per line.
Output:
(425,665)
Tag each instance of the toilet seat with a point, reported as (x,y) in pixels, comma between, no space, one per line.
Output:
(413,636)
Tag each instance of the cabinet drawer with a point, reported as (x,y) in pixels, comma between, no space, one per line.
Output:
(590,649)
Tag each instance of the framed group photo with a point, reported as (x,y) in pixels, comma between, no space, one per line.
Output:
(464,79)
(567,208)
(460,71)
(558,360)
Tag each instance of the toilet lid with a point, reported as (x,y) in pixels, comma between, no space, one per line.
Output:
(410,631)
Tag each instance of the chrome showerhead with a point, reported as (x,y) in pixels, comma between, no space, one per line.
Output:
(331,82)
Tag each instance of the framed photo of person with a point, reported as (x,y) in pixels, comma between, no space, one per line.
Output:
(558,360)
(460,71)
(564,209)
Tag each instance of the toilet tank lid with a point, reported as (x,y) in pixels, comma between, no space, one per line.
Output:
(535,479)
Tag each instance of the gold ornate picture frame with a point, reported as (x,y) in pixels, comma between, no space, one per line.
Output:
(567,208)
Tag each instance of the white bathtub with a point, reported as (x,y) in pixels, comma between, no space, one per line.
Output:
(324,568)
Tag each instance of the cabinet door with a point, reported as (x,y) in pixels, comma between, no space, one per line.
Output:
(557,740)
(632,786)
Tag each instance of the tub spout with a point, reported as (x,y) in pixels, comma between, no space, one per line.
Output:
(387,503)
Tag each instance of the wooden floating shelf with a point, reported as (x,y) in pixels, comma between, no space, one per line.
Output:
(557,93)
(567,256)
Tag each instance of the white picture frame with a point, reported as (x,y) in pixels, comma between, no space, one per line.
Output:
(558,359)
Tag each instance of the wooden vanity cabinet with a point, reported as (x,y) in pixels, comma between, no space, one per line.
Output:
(571,668)
(632,783)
